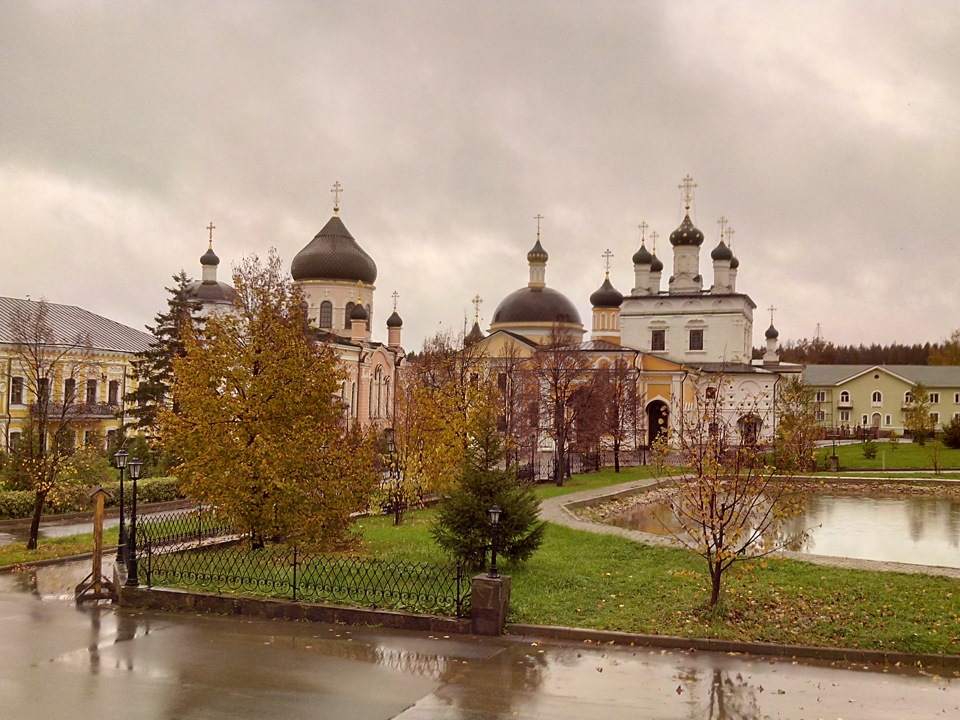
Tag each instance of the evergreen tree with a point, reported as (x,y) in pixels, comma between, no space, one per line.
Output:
(462,524)
(153,368)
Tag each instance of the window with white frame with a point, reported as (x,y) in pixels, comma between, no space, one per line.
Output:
(91,392)
(658,339)
(844,416)
(821,396)
(877,398)
(934,397)
(821,416)
(326,314)
(696,339)
(14,441)
(863,419)
(845,397)
(935,417)
(956,398)
(907,397)
(888,420)
(16,391)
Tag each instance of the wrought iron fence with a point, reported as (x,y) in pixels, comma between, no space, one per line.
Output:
(178,551)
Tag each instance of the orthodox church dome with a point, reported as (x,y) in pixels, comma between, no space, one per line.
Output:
(722,252)
(209,290)
(772,333)
(656,264)
(334,255)
(686,234)
(734,263)
(537,254)
(606,296)
(536,305)
(642,256)
(359,312)
(394,321)
(209,258)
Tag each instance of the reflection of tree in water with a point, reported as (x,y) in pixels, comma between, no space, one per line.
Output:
(953,523)
(719,695)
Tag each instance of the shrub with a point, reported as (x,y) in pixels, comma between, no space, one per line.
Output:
(869,448)
(16,504)
(950,434)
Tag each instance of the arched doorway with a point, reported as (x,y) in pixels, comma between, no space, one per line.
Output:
(658,420)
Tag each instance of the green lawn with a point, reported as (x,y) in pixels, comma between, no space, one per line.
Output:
(902,456)
(581,579)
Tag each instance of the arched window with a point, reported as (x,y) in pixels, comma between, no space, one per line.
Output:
(844,397)
(877,397)
(908,397)
(326,314)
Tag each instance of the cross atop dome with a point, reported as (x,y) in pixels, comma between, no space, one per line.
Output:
(476,306)
(395,295)
(606,255)
(210,228)
(538,217)
(336,190)
(687,186)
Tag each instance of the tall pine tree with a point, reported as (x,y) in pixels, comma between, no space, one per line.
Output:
(153,368)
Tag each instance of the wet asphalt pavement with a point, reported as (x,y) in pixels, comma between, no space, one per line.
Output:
(60,660)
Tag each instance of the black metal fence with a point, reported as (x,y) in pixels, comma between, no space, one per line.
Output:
(180,551)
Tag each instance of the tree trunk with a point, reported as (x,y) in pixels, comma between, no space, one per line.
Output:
(716,575)
(38,500)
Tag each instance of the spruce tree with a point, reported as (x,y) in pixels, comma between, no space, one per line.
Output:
(153,368)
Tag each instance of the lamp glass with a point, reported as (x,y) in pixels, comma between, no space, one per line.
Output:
(135,466)
(494,513)
(120,458)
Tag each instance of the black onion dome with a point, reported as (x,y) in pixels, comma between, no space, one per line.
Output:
(536,305)
(656,265)
(642,256)
(209,258)
(359,312)
(212,291)
(394,321)
(722,252)
(537,253)
(607,296)
(334,255)
(734,263)
(686,234)
(475,335)
(771,333)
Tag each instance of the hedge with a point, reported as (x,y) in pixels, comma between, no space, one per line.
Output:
(15,504)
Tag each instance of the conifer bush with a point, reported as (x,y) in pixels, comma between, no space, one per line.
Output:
(950,434)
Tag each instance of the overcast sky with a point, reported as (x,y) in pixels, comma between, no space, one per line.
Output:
(828,133)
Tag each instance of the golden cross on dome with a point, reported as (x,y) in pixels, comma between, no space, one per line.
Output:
(772,310)
(730,232)
(337,189)
(687,185)
(211,227)
(643,230)
(476,306)
(395,296)
(722,222)
(653,238)
(606,255)
(538,217)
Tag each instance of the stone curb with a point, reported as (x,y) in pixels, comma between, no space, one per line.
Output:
(807,652)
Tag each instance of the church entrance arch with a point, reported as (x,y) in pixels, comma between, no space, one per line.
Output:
(658,420)
(749,426)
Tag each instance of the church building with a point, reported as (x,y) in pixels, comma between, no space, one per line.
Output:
(337,279)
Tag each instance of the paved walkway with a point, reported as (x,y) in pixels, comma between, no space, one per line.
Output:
(561,510)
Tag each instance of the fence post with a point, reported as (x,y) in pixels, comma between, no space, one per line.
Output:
(199,524)
(149,563)
(294,573)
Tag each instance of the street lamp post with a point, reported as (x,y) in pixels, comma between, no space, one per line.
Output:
(132,579)
(494,514)
(120,459)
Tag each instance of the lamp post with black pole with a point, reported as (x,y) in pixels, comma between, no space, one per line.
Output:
(494,514)
(120,460)
(132,579)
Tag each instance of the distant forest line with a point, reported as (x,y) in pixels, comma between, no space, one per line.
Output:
(822,352)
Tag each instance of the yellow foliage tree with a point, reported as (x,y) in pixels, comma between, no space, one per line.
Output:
(257,430)
(730,504)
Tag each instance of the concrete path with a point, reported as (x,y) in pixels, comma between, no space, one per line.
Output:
(561,510)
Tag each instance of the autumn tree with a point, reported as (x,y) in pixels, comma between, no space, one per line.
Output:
(153,368)
(618,388)
(916,418)
(52,366)
(729,504)
(797,427)
(440,399)
(563,373)
(257,428)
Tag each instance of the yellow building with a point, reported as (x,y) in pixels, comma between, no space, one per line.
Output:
(80,363)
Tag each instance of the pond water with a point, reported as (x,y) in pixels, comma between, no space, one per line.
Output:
(908,529)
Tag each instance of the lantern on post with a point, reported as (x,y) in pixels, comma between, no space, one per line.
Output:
(494,514)
(132,580)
